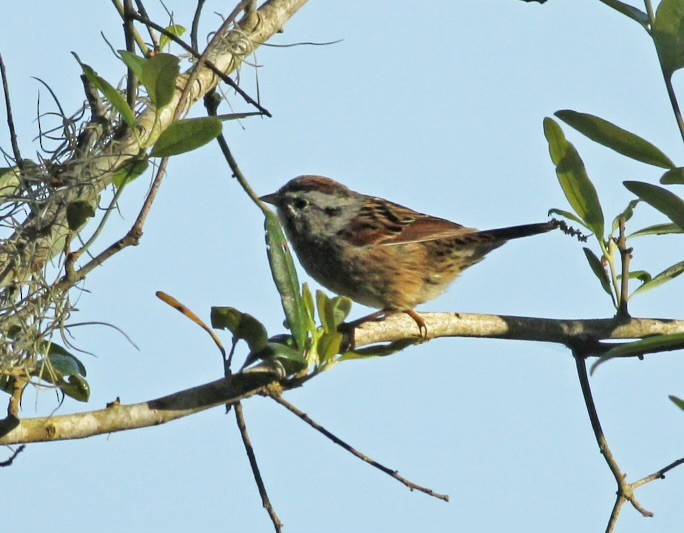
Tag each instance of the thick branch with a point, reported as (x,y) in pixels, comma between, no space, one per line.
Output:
(240,386)
(563,331)
(118,417)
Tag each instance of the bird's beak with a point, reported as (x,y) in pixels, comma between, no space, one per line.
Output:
(270,198)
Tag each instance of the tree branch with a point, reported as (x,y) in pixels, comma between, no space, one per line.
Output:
(33,244)
(240,386)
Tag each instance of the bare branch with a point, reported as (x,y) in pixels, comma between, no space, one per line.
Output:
(265,500)
(392,473)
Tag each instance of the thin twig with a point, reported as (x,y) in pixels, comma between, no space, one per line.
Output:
(16,452)
(660,474)
(194,31)
(393,473)
(266,502)
(209,64)
(211,104)
(143,12)
(144,50)
(129,37)
(10,120)
(625,491)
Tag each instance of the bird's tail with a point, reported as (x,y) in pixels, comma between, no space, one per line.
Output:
(515,232)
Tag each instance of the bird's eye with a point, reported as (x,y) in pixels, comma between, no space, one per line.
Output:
(300,203)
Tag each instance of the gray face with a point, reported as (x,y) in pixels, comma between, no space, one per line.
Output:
(314,213)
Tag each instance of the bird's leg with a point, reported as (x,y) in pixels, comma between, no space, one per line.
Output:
(422,328)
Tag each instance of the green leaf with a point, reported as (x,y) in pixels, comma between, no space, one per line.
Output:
(380,350)
(657,229)
(186,135)
(243,326)
(337,309)
(114,97)
(174,29)
(291,359)
(662,199)
(76,387)
(329,346)
(641,275)
(322,305)
(285,277)
(10,184)
(159,75)
(573,178)
(307,299)
(631,12)
(668,35)
(134,62)
(598,270)
(65,371)
(657,343)
(615,138)
(77,213)
(626,214)
(677,401)
(665,276)
(568,215)
(129,172)
(674,175)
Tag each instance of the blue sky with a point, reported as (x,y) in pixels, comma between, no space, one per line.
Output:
(438,107)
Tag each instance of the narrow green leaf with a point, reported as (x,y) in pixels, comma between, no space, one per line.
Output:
(641,275)
(134,62)
(176,30)
(568,215)
(159,75)
(677,401)
(129,172)
(573,178)
(238,116)
(665,276)
(380,350)
(598,270)
(285,277)
(626,214)
(657,229)
(631,12)
(672,176)
(657,343)
(663,200)
(322,306)
(114,97)
(186,135)
(308,300)
(117,100)
(77,214)
(668,35)
(615,138)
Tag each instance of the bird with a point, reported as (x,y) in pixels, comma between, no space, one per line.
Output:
(379,253)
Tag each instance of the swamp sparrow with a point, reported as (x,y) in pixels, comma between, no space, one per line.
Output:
(376,252)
